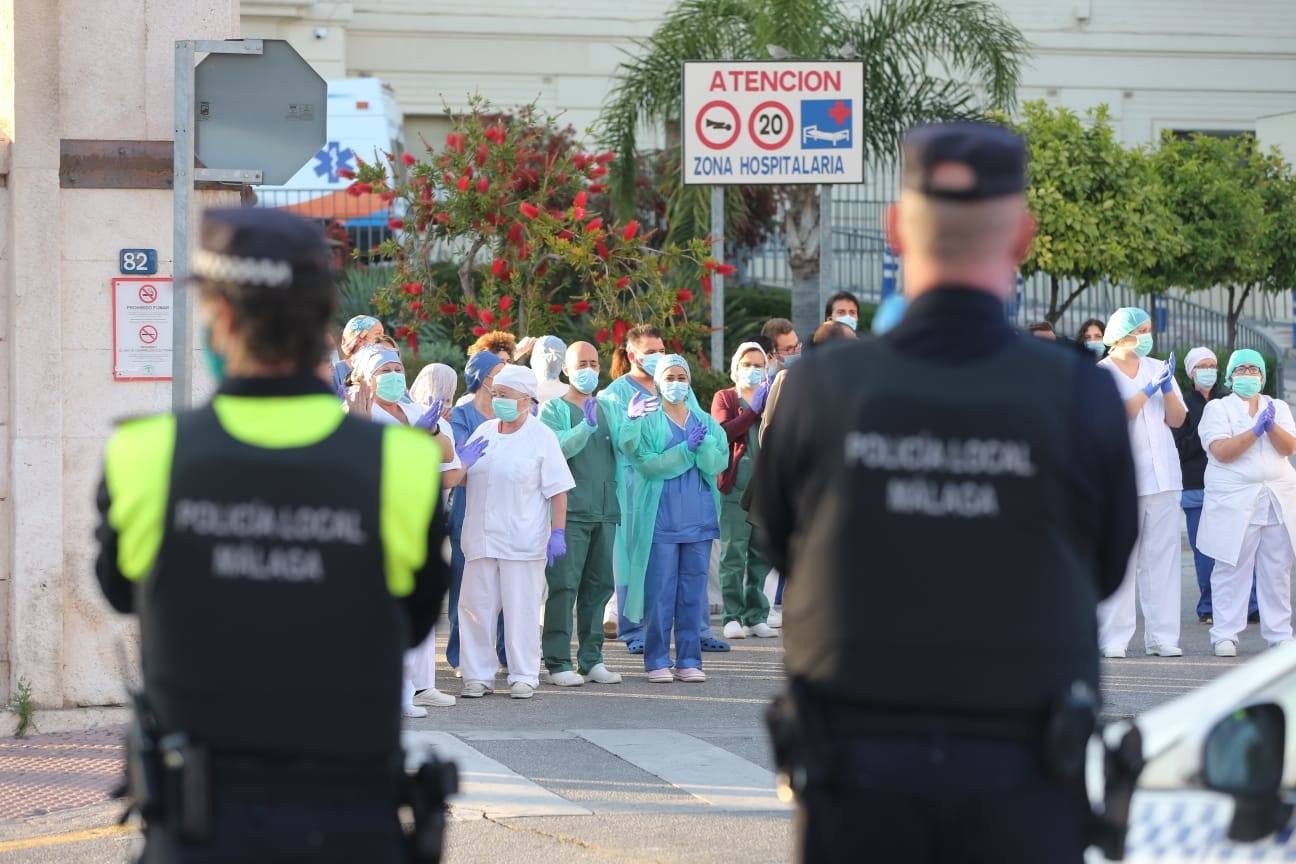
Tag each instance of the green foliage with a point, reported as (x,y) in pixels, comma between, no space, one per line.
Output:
(1101,213)
(748,308)
(23,706)
(707,382)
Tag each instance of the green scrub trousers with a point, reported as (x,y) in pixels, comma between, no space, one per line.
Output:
(742,567)
(582,578)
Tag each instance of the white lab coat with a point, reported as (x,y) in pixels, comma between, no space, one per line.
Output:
(1232,488)
(1156,460)
(507,512)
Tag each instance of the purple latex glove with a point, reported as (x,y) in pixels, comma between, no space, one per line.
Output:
(430,417)
(591,413)
(759,397)
(471,452)
(642,404)
(557,547)
(694,435)
(1264,421)
(1168,384)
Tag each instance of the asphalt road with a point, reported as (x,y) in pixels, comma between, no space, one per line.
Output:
(632,772)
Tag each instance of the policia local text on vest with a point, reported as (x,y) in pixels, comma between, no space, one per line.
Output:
(281,557)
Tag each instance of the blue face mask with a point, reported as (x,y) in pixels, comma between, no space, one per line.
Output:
(849,320)
(751,377)
(390,386)
(1144,346)
(649,363)
(675,392)
(1246,386)
(215,362)
(585,380)
(1097,346)
(1206,378)
(505,409)
(790,359)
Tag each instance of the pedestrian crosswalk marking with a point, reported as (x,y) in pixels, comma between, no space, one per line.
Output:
(720,778)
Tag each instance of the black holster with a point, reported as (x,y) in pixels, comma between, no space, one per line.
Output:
(168,777)
(798,733)
(425,792)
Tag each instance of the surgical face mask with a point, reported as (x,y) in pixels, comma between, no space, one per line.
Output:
(1246,386)
(505,409)
(849,320)
(585,380)
(1144,346)
(790,359)
(390,386)
(751,377)
(649,362)
(1097,346)
(675,392)
(215,362)
(1206,378)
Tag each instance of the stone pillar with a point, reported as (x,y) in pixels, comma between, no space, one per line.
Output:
(98,70)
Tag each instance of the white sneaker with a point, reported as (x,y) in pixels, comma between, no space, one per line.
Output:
(563,679)
(1226,648)
(600,674)
(476,690)
(761,630)
(413,712)
(774,618)
(458,673)
(434,698)
(734,630)
(1164,651)
(1280,643)
(1114,653)
(521,690)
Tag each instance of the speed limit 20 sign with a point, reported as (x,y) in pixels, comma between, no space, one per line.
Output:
(775,121)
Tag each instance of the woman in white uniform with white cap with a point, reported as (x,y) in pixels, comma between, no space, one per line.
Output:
(1248,519)
(1153,406)
(514,523)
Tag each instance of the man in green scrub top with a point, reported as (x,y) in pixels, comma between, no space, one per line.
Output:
(583,577)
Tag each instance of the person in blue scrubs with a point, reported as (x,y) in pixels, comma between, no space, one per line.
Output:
(464,420)
(677,451)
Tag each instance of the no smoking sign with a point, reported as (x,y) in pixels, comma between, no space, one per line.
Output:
(148,294)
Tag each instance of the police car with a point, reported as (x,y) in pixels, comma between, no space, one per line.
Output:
(1207,777)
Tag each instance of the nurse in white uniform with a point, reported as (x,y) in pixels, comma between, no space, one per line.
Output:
(1248,521)
(1154,405)
(514,522)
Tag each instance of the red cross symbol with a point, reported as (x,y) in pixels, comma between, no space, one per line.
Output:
(839,112)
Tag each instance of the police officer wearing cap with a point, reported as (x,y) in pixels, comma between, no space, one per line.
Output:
(278,553)
(974,489)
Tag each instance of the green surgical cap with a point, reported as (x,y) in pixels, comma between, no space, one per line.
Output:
(1246,357)
(1123,322)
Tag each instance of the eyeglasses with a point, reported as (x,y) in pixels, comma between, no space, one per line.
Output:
(784,352)
(1247,370)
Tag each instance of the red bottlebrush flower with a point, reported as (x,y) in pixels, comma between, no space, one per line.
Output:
(710,264)
(421,226)
(623,283)
(601,248)
(388,195)
(598,188)
(594,224)
(506,303)
(578,213)
(542,270)
(448,308)
(463,183)
(705,282)
(684,295)
(486,316)
(529,210)
(564,234)
(483,154)
(408,158)
(412,341)
(395,224)
(455,142)
(423,316)
(601,336)
(726,269)
(515,233)
(524,251)
(505,322)
(677,310)
(483,185)
(471,310)
(579,160)
(401,332)
(347,173)
(447,178)
(598,171)
(443,217)
(479,331)
(580,199)
(495,134)
(415,305)
(580,307)
(359,189)
(556,308)
(499,267)
(630,230)
(620,329)
(412,288)
(605,158)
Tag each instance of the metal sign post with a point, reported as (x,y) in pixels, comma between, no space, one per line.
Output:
(825,244)
(717,278)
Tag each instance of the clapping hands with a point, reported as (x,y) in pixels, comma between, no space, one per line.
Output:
(591,413)
(695,435)
(1264,421)
(759,397)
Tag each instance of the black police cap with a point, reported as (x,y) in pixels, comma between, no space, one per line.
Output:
(257,248)
(994,158)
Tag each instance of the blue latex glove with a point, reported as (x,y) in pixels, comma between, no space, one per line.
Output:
(1168,384)
(642,404)
(557,547)
(759,397)
(471,452)
(1159,382)
(1264,421)
(591,413)
(694,436)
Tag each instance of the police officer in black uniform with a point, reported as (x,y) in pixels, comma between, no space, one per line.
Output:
(973,489)
(281,556)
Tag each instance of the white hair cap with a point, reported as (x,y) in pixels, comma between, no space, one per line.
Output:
(517,378)
(547,357)
(1196,356)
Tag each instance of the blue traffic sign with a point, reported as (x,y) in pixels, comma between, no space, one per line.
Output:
(137,262)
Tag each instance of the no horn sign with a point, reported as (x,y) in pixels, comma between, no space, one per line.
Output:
(777,121)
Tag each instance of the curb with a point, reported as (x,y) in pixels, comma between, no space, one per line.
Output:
(49,721)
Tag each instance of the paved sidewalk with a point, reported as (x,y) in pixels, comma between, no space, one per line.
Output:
(47,773)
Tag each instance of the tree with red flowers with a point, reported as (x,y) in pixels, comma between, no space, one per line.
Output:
(513,198)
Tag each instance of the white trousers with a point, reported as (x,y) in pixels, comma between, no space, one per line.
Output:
(489,585)
(1266,551)
(420,663)
(1155,566)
